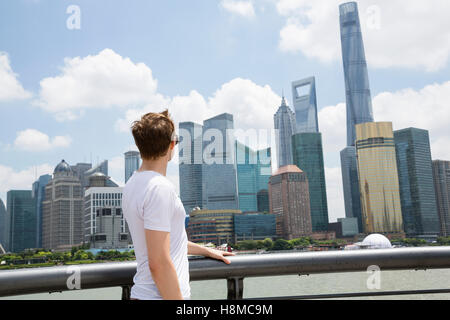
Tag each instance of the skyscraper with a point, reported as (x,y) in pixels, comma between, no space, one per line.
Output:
(22,220)
(308,156)
(415,173)
(305,105)
(3,223)
(358,97)
(441,175)
(350,183)
(190,165)
(289,202)
(284,121)
(219,178)
(253,173)
(359,102)
(378,178)
(132,163)
(62,210)
(38,194)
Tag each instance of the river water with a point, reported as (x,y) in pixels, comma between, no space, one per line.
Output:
(292,285)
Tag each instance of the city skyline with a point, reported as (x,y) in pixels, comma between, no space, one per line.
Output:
(417,86)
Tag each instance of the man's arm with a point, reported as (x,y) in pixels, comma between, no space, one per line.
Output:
(161,265)
(198,250)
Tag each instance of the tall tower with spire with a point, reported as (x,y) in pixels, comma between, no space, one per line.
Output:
(284,120)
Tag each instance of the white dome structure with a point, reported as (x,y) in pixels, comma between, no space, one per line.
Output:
(376,241)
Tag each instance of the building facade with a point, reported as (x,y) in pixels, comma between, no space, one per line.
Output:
(350,183)
(441,177)
(190,165)
(103,214)
(253,173)
(378,178)
(285,127)
(38,194)
(21,214)
(219,172)
(111,232)
(62,215)
(132,163)
(290,203)
(308,156)
(254,226)
(415,173)
(216,226)
(357,89)
(305,105)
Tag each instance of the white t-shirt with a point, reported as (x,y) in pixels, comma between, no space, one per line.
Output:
(150,202)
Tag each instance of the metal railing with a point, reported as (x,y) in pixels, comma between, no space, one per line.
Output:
(120,274)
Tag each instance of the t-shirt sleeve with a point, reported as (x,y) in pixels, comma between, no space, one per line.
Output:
(158,208)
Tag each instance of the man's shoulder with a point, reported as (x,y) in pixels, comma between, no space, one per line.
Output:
(160,183)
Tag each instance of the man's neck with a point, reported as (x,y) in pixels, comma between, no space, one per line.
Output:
(158,165)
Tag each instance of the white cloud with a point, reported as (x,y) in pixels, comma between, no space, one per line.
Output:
(11,179)
(241,8)
(254,104)
(100,81)
(34,140)
(10,87)
(413,34)
(116,169)
(335,194)
(427,108)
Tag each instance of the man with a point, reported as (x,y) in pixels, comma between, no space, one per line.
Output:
(156,216)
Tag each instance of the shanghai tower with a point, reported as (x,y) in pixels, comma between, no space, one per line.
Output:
(357,91)
(359,103)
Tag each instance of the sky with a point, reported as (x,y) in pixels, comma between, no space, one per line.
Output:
(75,74)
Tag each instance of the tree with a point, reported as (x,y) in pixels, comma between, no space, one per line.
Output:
(282,244)
(268,243)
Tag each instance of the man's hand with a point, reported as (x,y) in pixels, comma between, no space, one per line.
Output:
(219,255)
(196,249)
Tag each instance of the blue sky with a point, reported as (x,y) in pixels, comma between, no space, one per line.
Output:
(201,46)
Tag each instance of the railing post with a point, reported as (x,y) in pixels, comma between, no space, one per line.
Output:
(235,288)
(126,292)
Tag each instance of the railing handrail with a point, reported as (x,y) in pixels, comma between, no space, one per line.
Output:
(115,274)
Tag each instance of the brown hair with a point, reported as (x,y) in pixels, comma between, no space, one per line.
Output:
(153,134)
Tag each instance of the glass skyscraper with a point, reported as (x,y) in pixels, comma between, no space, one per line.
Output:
(132,162)
(308,156)
(358,102)
(284,121)
(350,183)
(253,173)
(305,105)
(441,177)
(22,220)
(378,178)
(420,217)
(358,97)
(38,194)
(254,226)
(219,178)
(190,166)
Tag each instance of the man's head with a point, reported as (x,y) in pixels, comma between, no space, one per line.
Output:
(154,135)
